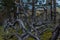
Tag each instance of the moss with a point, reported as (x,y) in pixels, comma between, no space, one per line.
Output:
(20,31)
(1,38)
(46,35)
(1,33)
(30,38)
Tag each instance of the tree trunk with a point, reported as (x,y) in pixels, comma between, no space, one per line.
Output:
(54,11)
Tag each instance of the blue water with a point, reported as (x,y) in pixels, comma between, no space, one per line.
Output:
(58,1)
(44,1)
